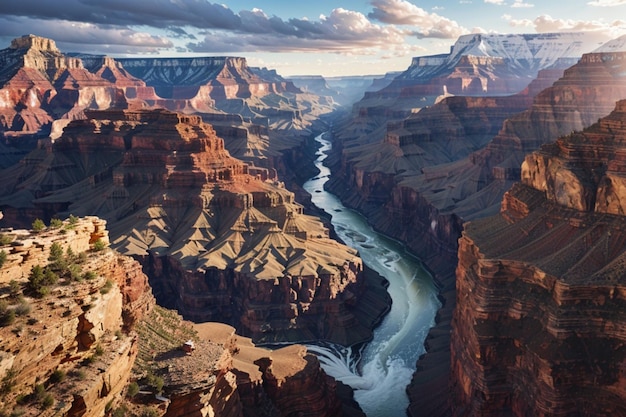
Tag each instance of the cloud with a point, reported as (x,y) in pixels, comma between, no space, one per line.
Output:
(81,37)
(341,31)
(518,22)
(154,13)
(401,12)
(521,4)
(607,3)
(496,2)
(547,24)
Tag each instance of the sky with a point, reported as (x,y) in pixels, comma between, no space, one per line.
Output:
(297,37)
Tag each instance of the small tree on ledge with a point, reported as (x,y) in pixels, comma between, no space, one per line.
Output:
(38,225)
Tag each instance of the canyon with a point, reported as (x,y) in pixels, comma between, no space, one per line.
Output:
(195,166)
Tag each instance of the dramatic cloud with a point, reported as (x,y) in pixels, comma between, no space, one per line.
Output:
(216,28)
(81,37)
(401,12)
(341,31)
(607,3)
(154,13)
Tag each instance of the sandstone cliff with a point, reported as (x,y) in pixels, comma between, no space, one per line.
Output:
(540,291)
(79,347)
(218,242)
(39,85)
(67,346)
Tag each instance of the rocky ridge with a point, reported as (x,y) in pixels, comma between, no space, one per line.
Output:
(65,352)
(78,349)
(220,241)
(39,85)
(539,287)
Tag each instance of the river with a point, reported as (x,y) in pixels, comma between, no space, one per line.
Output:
(380,372)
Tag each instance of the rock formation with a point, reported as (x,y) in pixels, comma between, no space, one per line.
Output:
(77,349)
(540,292)
(226,375)
(39,85)
(433,198)
(220,241)
(228,84)
(63,349)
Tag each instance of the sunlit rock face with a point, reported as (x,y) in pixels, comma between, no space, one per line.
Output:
(39,84)
(541,297)
(220,241)
(81,329)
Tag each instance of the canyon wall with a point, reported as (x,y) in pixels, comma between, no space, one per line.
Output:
(218,242)
(79,347)
(540,297)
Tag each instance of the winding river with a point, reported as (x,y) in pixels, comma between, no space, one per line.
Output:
(380,372)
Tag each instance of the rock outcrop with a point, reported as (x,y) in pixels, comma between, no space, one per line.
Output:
(540,291)
(218,242)
(39,85)
(78,348)
(69,349)
(224,374)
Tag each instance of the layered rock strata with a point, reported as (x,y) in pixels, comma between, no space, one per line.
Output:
(218,242)
(242,379)
(540,291)
(71,351)
(434,203)
(39,85)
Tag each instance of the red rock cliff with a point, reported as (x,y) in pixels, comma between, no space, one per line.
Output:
(217,242)
(540,291)
(68,349)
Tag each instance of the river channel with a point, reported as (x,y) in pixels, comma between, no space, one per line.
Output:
(380,371)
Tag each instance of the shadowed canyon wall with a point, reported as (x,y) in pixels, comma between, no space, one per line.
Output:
(540,291)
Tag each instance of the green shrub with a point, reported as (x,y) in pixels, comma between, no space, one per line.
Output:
(81,258)
(133,389)
(47,402)
(89,275)
(107,287)
(7,315)
(15,288)
(23,308)
(39,391)
(57,376)
(99,350)
(38,225)
(5,239)
(75,272)
(40,279)
(3,257)
(57,258)
(155,382)
(120,411)
(99,245)
(56,223)
(73,220)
